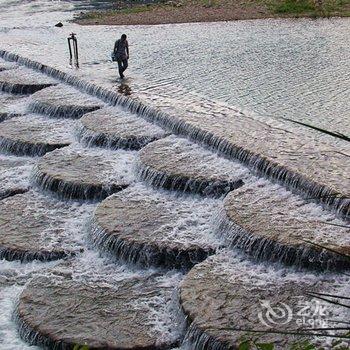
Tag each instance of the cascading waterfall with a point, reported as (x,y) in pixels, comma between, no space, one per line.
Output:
(155,228)
(22,148)
(89,138)
(72,112)
(303,256)
(160,179)
(146,256)
(142,256)
(5,116)
(73,190)
(11,255)
(260,165)
(21,89)
(197,339)
(75,172)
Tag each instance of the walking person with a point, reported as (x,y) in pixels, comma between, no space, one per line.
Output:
(121,52)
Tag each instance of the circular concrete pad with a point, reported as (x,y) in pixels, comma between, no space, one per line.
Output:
(23,81)
(178,164)
(150,227)
(227,299)
(116,128)
(37,227)
(75,172)
(269,222)
(63,101)
(14,175)
(34,135)
(115,310)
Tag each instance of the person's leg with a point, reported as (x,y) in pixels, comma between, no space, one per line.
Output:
(120,68)
(125,65)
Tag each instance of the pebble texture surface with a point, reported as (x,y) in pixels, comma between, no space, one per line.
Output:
(102,311)
(228,299)
(33,226)
(14,175)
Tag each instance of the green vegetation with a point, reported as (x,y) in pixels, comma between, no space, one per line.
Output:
(293,6)
(80,347)
(134,9)
(253,344)
(312,8)
(124,11)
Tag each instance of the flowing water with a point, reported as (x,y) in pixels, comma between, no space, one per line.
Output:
(266,70)
(296,69)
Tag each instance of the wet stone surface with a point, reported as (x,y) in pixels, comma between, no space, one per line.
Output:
(6,115)
(149,227)
(116,128)
(13,276)
(62,101)
(269,222)
(226,297)
(12,105)
(101,308)
(23,81)
(34,135)
(178,164)
(7,65)
(14,175)
(76,172)
(287,153)
(34,226)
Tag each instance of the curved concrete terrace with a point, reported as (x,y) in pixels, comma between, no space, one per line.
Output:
(227,299)
(101,305)
(23,81)
(270,223)
(33,135)
(317,170)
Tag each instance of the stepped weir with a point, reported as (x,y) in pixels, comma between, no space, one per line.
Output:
(321,185)
(139,229)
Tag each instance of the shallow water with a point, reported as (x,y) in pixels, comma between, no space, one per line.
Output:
(296,69)
(267,67)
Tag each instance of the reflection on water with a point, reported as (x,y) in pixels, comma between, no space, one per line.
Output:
(124,89)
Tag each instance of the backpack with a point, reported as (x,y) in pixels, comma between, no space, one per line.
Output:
(114,52)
